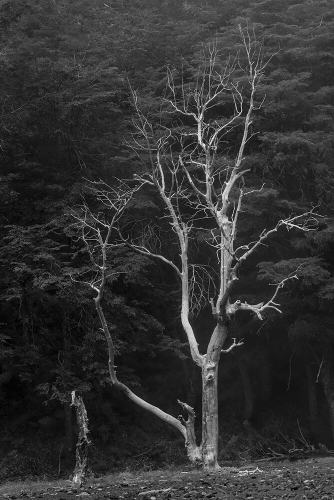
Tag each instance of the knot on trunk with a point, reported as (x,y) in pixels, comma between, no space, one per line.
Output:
(210,372)
(209,377)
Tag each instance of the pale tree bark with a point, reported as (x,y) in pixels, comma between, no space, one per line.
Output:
(81,454)
(211,192)
(195,177)
(98,234)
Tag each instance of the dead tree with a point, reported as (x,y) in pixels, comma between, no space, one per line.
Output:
(81,452)
(194,182)
(98,234)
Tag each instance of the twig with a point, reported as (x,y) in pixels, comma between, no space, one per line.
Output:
(59,459)
(317,379)
(290,360)
(232,346)
(303,439)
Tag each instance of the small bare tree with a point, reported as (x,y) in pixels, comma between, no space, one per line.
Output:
(201,190)
(98,232)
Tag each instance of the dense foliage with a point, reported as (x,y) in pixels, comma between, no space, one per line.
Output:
(67,69)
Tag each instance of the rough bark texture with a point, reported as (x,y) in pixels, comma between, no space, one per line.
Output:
(81,455)
(194,452)
(210,430)
(210,416)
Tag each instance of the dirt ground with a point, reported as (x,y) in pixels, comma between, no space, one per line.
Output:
(304,479)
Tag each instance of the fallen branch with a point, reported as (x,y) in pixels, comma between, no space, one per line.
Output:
(153,492)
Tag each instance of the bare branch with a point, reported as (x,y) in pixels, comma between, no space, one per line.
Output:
(259,308)
(98,242)
(232,346)
(145,251)
(201,284)
(304,222)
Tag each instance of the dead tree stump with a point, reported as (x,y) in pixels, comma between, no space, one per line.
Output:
(81,453)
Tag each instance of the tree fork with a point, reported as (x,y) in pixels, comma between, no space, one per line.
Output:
(194,452)
(123,388)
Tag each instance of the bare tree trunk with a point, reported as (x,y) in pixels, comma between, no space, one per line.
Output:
(210,432)
(83,443)
(210,423)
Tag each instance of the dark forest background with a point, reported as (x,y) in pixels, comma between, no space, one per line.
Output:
(67,68)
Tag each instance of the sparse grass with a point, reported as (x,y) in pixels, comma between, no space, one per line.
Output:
(15,487)
(166,473)
(29,486)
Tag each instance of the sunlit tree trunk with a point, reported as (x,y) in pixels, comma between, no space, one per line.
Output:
(210,423)
(210,429)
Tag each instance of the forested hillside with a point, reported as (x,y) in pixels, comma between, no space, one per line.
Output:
(69,72)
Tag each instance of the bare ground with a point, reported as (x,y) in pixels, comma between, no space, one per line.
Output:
(305,479)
